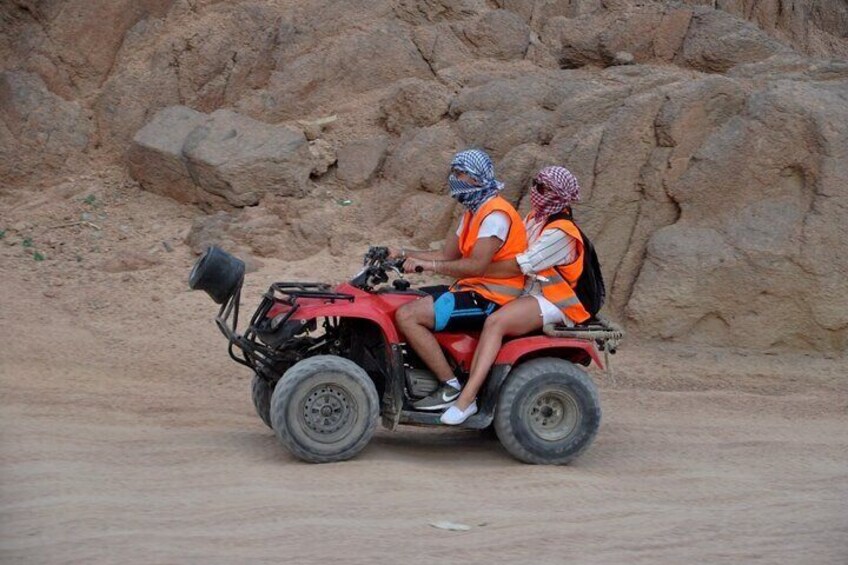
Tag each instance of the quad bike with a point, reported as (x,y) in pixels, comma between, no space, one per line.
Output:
(329,362)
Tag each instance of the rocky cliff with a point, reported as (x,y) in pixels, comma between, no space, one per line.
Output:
(710,137)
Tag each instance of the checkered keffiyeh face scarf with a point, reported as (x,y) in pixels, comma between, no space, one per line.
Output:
(478,165)
(554,189)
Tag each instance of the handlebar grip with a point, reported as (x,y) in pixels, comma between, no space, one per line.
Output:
(419,269)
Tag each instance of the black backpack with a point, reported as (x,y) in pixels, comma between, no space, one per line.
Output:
(590,289)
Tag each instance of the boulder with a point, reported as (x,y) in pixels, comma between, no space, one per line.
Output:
(229,158)
(418,12)
(537,13)
(156,157)
(500,34)
(816,28)
(39,131)
(422,159)
(336,69)
(683,265)
(518,167)
(632,31)
(671,32)
(131,97)
(441,46)
(250,232)
(76,43)
(424,218)
(701,38)
(190,66)
(325,225)
(210,230)
(360,160)
(415,103)
(323,156)
(215,69)
(716,42)
(239,158)
(504,113)
(263,231)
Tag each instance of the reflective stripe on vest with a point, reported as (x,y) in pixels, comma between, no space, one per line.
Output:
(559,288)
(498,290)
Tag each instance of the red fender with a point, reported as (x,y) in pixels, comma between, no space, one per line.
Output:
(513,350)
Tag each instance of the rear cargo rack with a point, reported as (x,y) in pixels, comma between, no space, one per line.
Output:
(604,332)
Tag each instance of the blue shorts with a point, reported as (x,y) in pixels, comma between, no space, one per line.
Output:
(460,310)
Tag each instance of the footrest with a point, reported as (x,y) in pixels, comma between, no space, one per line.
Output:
(411,417)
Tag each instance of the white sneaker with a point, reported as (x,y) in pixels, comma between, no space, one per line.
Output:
(453,416)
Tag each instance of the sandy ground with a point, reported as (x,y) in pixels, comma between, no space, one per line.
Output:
(127,436)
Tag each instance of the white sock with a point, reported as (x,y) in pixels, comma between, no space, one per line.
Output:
(454,382)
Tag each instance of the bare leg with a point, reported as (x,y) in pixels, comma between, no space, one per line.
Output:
(416,321)
(519,317)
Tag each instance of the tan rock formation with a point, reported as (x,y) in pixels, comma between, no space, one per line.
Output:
(709,137)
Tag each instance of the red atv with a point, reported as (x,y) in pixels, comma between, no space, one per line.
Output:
(328,362)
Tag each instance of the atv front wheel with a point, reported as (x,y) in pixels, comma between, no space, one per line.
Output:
(548,412)
(261,391)
(325,409)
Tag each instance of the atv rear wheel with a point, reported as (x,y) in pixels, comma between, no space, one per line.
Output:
(261,391)
(548,412)
(325,409)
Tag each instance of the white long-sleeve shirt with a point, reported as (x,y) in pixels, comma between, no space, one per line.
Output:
(546,248)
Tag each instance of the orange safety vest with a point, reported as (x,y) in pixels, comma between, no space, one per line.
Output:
(499,291)
(561,279)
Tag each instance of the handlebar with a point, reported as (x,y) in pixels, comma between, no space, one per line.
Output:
(376,266)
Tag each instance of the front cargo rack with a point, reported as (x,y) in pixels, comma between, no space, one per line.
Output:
(255,354)
(294,290)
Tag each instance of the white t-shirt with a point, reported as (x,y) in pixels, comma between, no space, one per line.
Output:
(495,224)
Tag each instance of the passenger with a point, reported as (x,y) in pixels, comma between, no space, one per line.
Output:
(552,264)
(490,230)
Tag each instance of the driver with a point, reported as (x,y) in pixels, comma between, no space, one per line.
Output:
(490,230)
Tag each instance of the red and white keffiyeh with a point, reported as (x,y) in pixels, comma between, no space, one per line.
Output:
(561,189)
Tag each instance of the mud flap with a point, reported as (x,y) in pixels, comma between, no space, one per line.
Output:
(392,401)
(492,388)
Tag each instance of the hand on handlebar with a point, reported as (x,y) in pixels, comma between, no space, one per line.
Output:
(413,265)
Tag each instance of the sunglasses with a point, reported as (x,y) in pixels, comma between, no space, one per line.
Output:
(540,187)
(464,176)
